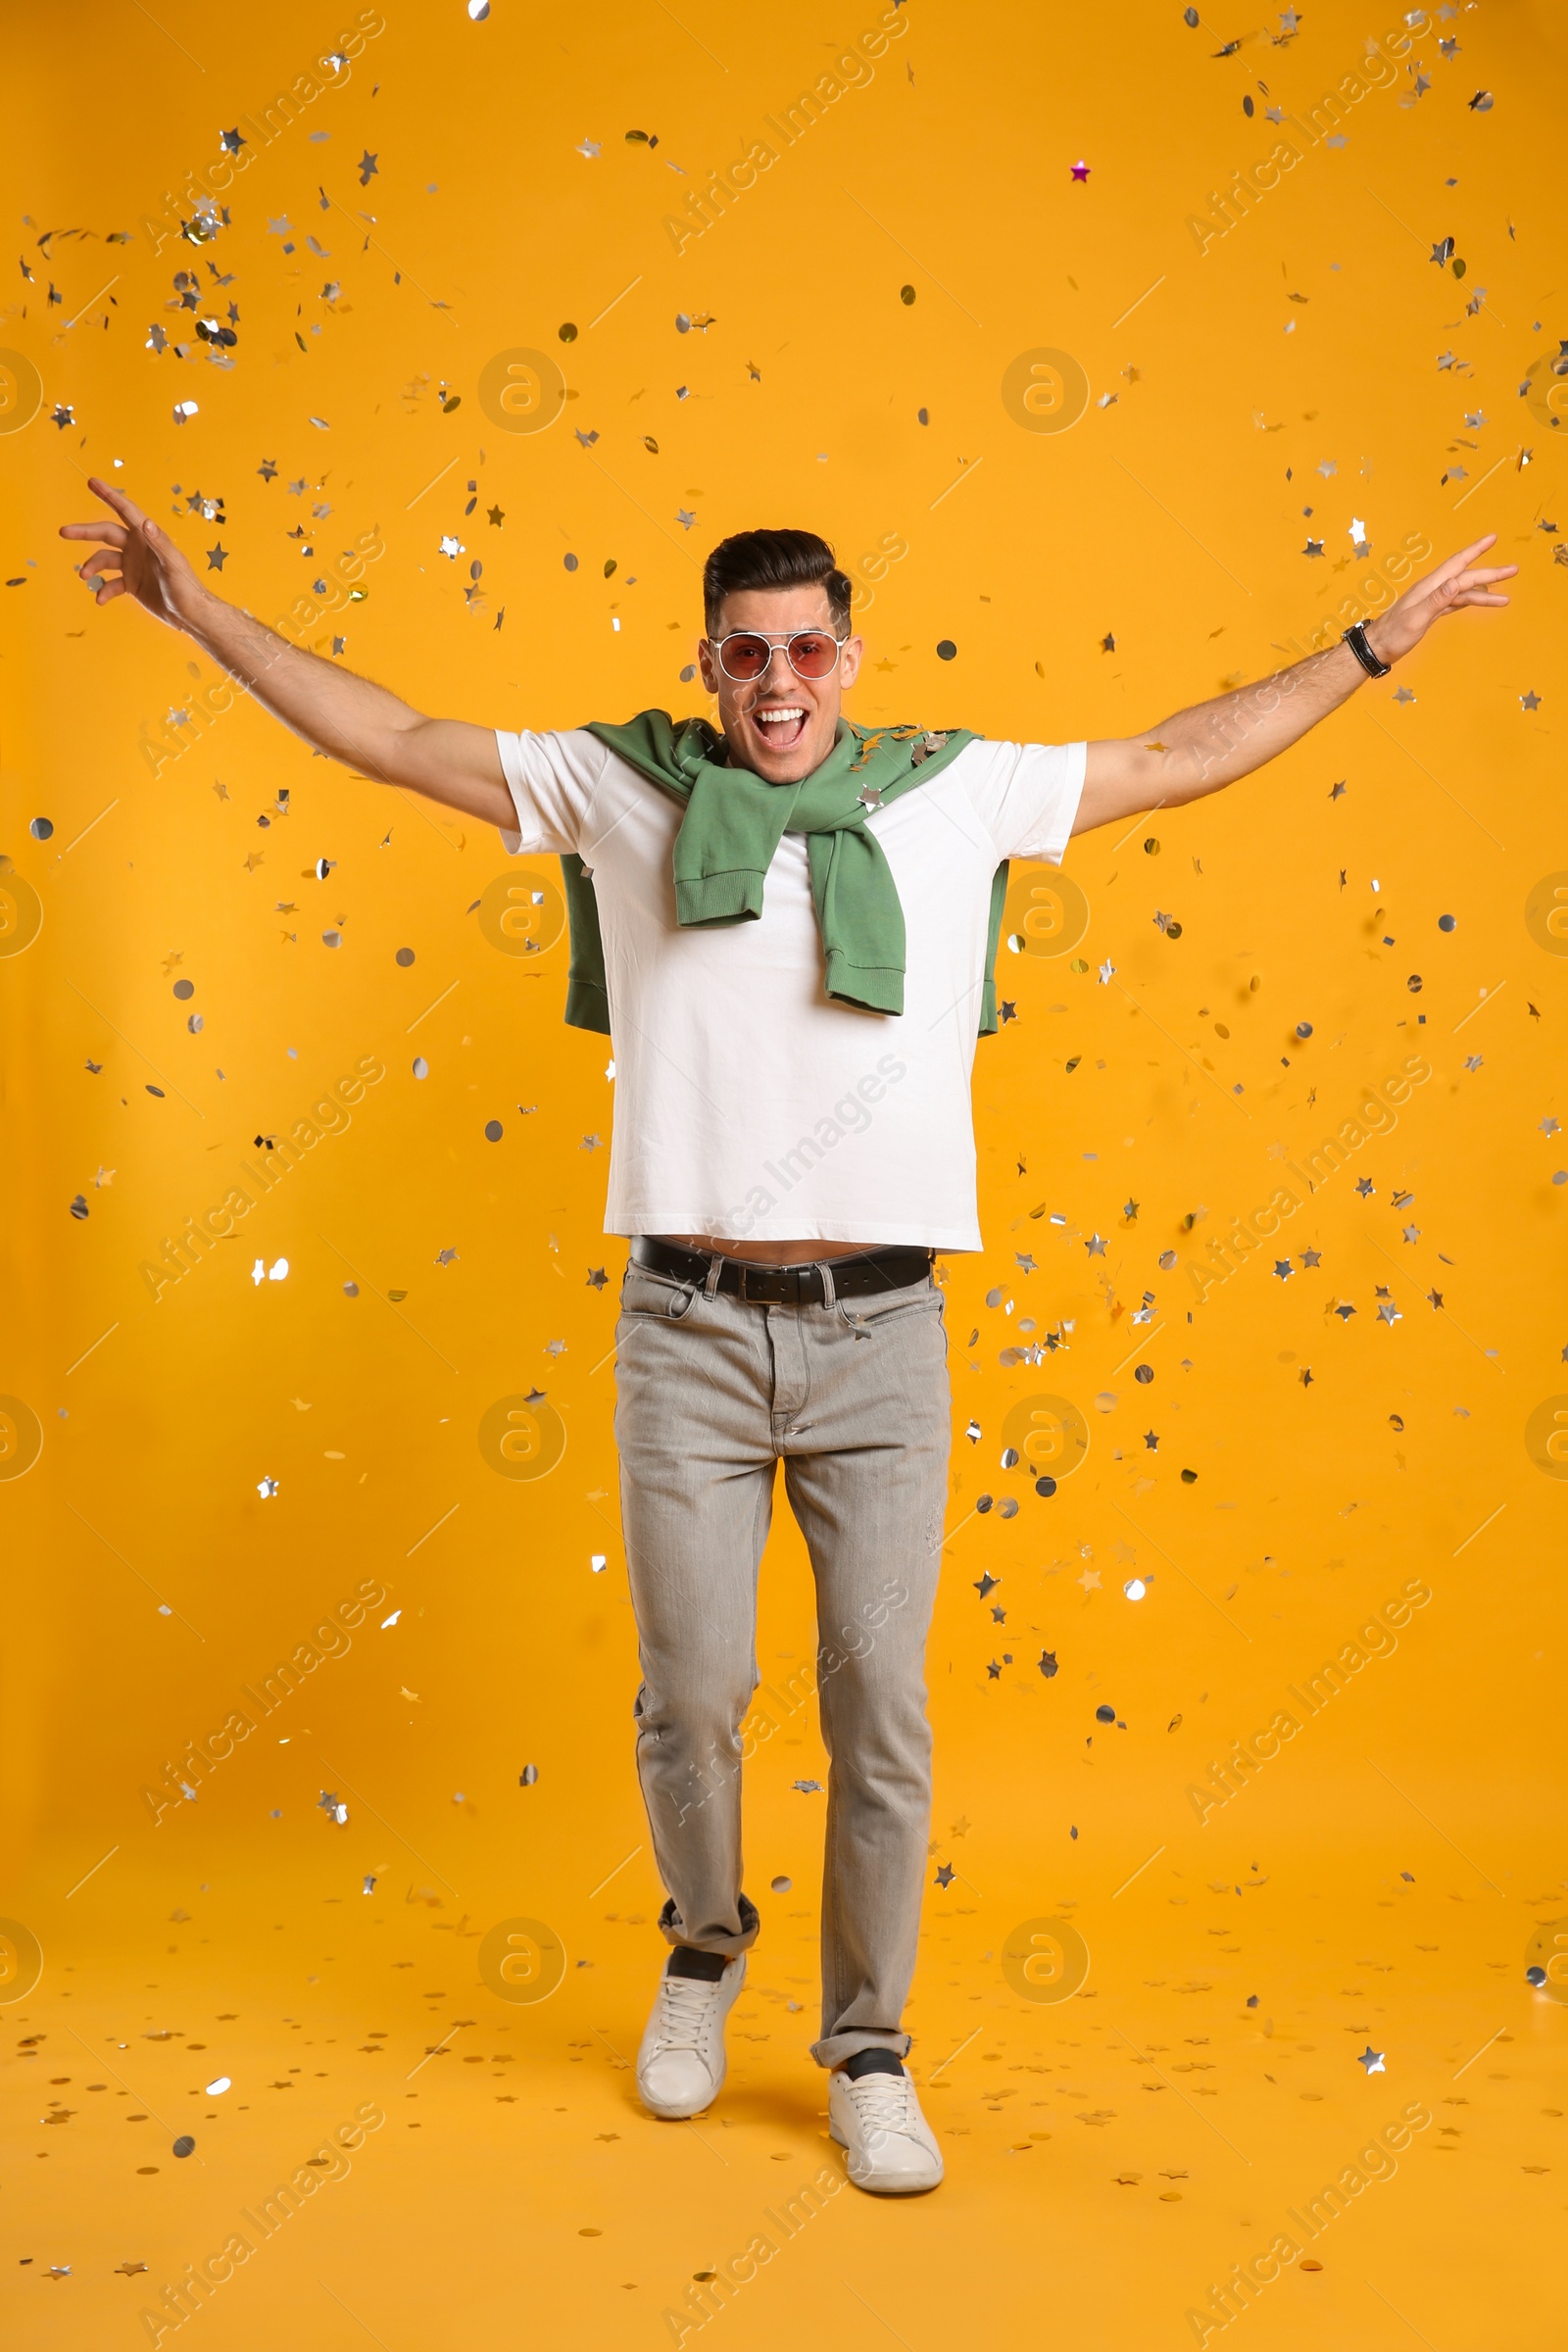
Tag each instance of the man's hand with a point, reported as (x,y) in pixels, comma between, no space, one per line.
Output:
(348,718)
(136,558)
(1197,751)
(1453,585)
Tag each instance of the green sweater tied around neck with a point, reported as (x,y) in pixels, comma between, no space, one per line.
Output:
(734,822)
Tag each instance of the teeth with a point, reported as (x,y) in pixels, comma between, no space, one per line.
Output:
(775,718)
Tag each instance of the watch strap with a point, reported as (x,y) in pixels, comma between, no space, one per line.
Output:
(1356,638)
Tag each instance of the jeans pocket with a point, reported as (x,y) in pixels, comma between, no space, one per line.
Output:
(649,1297)
(865,1315)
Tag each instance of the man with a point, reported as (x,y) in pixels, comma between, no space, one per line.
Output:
(788,928)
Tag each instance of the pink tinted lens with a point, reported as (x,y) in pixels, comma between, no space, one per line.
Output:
(812,654)
(746,657)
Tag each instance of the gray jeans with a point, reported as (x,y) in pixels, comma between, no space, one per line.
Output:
(853,1398)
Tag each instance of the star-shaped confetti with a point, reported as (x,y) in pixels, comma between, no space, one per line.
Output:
(1282,1268)
(1312,1257)
(589,148)
(993,1669)
(217,556)
(1048,1657)
(945,1874)
(987,1582)
(1080,170)
(1365,1186)
(1090,1580)
(1434,1298)
(368,166)
(1530,701)
(129,2269)
(497,517)
(1151,1440)
(1304,1375)
(1372,2061)
(1313,547)
(1344,1312)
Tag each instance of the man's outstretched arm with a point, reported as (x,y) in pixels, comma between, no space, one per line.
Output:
(1200,749)
(347,717)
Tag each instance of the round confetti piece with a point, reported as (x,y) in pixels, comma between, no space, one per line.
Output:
(492,1131)
(527,1775)
(1045,1486)
(332,939)
(1189,1478)
(945,649)
(1104,1714)
(184,988)
(41,828)
(567,332)
(1309,2266)
(1413,984)
(1446,923)
(196,1024)
(351,1290)
(1144,1374)
(922,416)
(146,2168)
(688,674)
(405,956)
(478,10)
(1304,1028)
(906,295)
(1151,847)
(782,1885)
(590,2234)
(422,1068)
(184,2144)
(570,562)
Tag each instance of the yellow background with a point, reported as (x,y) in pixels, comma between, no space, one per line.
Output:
(1378,1883)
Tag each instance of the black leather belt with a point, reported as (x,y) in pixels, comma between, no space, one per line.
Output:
(857,1277)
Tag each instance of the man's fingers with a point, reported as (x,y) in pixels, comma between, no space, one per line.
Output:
(105,559)
(108,591)
(125,508)
(112,532)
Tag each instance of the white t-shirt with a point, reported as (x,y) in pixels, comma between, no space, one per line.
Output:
(750,1103)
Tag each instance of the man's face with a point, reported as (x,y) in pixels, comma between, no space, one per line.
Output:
(779,726)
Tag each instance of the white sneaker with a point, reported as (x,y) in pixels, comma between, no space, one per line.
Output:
(680,2067)
(890,2147)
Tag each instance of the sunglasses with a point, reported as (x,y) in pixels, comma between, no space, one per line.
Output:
(745,655)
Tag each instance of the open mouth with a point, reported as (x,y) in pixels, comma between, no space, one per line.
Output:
(780,725)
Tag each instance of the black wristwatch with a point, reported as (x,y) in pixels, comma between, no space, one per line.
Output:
(1356,639)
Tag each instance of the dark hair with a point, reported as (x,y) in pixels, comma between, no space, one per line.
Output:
(774,559)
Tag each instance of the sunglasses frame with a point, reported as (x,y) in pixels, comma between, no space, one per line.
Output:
(776,640)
